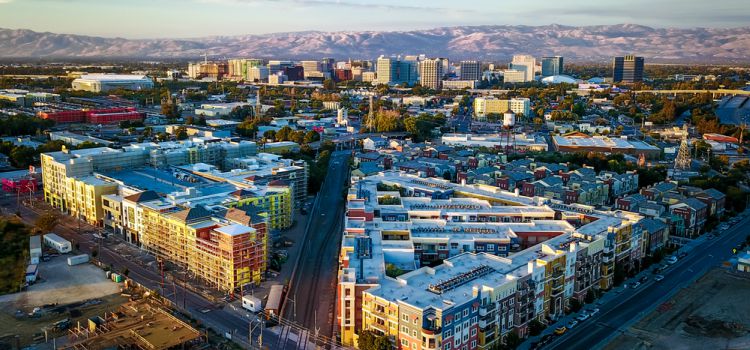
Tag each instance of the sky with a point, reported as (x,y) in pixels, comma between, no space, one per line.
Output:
(137,19)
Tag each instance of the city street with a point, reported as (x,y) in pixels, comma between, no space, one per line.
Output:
(224,320)
(621,307)
(311,296)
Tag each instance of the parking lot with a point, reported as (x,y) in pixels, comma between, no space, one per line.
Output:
(60,292)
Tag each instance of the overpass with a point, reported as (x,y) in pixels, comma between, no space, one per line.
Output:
(714,93)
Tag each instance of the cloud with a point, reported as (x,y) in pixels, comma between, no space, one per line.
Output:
(5,1)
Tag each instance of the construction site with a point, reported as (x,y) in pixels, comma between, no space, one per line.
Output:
(138,324)
(709,314)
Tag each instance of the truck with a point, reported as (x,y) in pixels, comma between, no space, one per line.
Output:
(78,259)
(32,271)
(251,303)
(61,245)
(35,249)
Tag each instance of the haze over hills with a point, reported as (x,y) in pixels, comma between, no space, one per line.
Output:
(589,43)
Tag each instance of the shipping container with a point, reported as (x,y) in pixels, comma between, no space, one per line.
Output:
(251,303)
(78,259)
(273,304)
(58,243)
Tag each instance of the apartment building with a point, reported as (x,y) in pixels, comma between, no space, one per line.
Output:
(499,260)
(483,106)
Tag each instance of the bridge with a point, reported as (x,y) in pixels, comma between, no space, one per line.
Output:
(714,93)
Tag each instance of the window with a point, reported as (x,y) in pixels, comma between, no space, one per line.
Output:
(404,342)
(457,341)
(448,333)
(466,312)
(457,316)
(490,247)
(447,347)
(405,317)
(447,321)
(473,332)
(480,248)
(473,343)
(415,321)
(414,333)
(404,330)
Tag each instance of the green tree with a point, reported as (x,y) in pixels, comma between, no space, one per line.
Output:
(371,341)
(181,133)
(536,327)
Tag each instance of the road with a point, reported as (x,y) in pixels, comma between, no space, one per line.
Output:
(312,293)
(221,319)
(630,305)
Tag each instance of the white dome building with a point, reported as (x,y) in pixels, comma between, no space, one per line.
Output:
(559,79)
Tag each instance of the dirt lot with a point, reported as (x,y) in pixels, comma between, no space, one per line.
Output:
(72,292)
(710,314)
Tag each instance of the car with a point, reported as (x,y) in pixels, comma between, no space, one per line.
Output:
(656,270)
(583,316)
(561,330)
(682,255)
(572,323)
(643,279)
(593,312)
(635,285)
(671,260)
(658,278)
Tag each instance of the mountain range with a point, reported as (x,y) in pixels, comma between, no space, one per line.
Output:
(585,43)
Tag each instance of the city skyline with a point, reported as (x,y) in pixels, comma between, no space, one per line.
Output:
(197,18)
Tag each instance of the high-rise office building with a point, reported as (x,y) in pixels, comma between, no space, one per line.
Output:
(627,69)
(526,63)
(431,73)
(470,70)
(393,71)
(552,65)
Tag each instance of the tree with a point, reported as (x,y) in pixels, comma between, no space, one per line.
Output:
(311,136)
(536,327)
(590,296)
(46,222)
(371,341)
(575,305)
(181,133)
(329,85)
(170,110)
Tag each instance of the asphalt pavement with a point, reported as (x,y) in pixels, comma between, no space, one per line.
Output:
(622,307)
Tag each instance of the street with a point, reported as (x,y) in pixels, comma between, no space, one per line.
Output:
(621,307)
(312,293)
(224,320)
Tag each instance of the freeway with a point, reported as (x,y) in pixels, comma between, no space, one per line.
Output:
(625,308)
(312,291)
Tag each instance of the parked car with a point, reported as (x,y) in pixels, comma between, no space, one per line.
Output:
(635,285)
(561,330)
(671,260)
(643,279)
(658,278)
(572,323)
(593,312)
(583,316)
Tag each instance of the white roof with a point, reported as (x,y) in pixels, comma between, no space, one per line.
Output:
(234,229)
(113,77)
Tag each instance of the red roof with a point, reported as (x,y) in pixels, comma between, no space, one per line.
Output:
(720,138)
